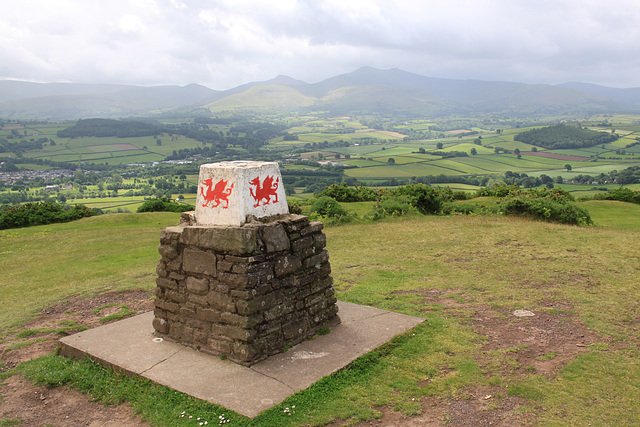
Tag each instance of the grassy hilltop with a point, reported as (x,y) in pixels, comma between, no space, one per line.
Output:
(573,363)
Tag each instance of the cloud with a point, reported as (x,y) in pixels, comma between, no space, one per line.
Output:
(225,43)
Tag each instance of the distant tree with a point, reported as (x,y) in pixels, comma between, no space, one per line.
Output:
(534,149)
(422,150)
(439,145)
(391,161)
(567,167)
(474,151)
(158,141)
(337,156)
(516,151)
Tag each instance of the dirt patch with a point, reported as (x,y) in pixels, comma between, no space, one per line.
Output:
(61,406)
(514,347)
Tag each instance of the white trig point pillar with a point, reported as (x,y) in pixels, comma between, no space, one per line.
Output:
(228,192)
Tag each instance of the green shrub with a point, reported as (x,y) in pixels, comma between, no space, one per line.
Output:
(426,199)
(164,204)
(295,207)
(328,207)
(41,213)
(344,193)
(545,205)
(620,194)
(392,205)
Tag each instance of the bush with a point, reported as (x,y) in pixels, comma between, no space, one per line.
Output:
(424,198)
(346,194)
(164,204)
(41,213)
(545,205)
(390,205)
(620,194)
(328,207)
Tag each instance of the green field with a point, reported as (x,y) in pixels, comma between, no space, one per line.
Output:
(573,363)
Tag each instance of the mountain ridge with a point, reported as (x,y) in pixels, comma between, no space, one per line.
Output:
(365,90)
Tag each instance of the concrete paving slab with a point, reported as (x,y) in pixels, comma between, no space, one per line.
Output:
(131,346)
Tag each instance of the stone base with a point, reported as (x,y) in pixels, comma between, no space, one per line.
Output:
(244,292)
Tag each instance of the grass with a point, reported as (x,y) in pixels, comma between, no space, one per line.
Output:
(495,264)
(82,256)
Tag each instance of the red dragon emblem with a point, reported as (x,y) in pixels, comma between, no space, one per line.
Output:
(264,191)
(216,195)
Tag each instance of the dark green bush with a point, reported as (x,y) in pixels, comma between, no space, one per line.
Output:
(344,193)
(41,213)
(391,205)
(328,207)
(545,205)
(620,194)
(164,204)
(426,199)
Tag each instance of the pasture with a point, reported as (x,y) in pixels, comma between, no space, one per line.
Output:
(574,362)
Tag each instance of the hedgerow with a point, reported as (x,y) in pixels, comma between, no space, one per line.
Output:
(620,194)
(42,213)
(164,204)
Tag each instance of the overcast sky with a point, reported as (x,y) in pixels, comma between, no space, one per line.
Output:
(222,44)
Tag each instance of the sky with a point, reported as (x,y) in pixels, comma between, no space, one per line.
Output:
(224,43)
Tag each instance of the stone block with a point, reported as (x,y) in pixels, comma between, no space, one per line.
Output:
(166,283)
(316,260)
(199,262)
(168,252)
(161,325)
(208,315)
(319,241)
(236,240)
(245,352)
(197,286)
(161,269)
(302,243)
(218,346)
(221,302)
(287,265)
(312,228)
(275,238)
(228,192)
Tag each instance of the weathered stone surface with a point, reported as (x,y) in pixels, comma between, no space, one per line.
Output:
(196,261)
(316,260)
(275,238)
(197,286)
(167,251)
(313,228)
(166,283)
(161,325)
(286,265)
(236,240)
(302,243)
(244,292)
